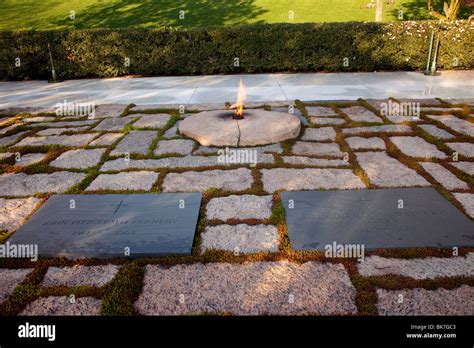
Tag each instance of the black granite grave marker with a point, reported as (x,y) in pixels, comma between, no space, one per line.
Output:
(104,226)
(383,218)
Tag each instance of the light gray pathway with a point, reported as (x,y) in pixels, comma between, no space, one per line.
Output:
(223,88)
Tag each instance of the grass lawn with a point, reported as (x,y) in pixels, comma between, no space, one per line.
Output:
(54,14)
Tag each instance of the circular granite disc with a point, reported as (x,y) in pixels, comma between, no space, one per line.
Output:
(259,127)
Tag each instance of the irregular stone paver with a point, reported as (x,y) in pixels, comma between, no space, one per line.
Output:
(58,131)
(178,146)
(65,124)
(309,179)
(124,181)
(78,159)
(426,268)
(64,140)
(464,149)
(11,139)
(30,158)
(389,128)
(14,211)
(240,238)
(320,111)
(441,109)
(109,110)
(424,102)
(317,149)
(115,123)
(38,119)
(80,276)
(385,171)
(154,121)
(26,185)
(8,129)
(318,162)
(169,162)
(358,143)
(106,139)
(444,176)
(260,149)
(251,288)
(402,119)
(467,167)
(361,114)
(467,201)
(135,142)
(435,131)
(417,147)
(172,132)
(455,123)
(427,302)
(230,180)
(6,155)
(239,207)
(61,306)
(319,134)
(11,278)
(321,121)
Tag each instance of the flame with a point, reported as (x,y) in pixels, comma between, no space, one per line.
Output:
(241,95)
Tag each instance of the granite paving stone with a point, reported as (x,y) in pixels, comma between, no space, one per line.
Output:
(358,143)
(239,207)
(115,123)
(309,179)
(30,158)
(109,110)
(317,162)
(464,149)
(11,278)
(389,128)
(62,306)
(135,142)
(322,121)
(240,238)
(319,134)
(425,268)
(427,302)
(385,171)
(436,132)
(467,201)
(320,111)
(65,124)
(58,131)
(64,140)
(250,288)
(466,167)
(79,275)
(317,149)
(78,159)
(14,211)
(175,146)
(417,147)
(444,176)
(11,139)
(124,181)
(22,184)
(107,139)
(457,124)
(154,121)
(361,114)
(229,180)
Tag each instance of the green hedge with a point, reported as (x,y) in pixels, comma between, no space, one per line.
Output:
(260,48)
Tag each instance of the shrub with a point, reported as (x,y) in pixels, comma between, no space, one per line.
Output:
(259,48)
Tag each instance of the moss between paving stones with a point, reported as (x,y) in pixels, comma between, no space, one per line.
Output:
(129,280)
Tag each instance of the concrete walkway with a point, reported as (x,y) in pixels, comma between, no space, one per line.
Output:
(223,88)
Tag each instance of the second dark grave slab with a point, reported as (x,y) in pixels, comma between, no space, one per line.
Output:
(105,226)
(383,218)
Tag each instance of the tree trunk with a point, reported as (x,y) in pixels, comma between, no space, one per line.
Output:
(379,10)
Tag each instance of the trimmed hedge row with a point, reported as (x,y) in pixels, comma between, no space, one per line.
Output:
(259,48)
